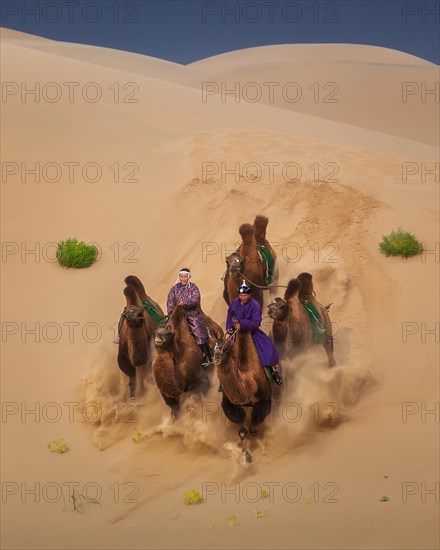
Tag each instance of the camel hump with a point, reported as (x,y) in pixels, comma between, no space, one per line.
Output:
(293,287)
(134,281)
(306,284)
(260,225)
(132,296)
(247,232)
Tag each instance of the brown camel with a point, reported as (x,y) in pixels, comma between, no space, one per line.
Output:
(134,352)
(177,364)
(260,225)
(244,382)
(292,330)
(136,335)
(247,262)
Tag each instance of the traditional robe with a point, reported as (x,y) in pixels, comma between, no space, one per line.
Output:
(249,315)
(190,296)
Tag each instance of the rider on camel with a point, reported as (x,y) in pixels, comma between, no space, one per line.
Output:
(187,294)
(244,313)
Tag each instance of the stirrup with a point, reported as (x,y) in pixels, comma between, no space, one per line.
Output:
(276,376)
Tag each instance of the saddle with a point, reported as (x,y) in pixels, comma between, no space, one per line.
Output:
(268,262)
(315,319)
(158,319)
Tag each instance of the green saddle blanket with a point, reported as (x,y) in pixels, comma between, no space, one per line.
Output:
(269,264)
(158,319)
(316,322)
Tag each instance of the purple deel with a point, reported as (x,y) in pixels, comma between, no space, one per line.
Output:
(249,315)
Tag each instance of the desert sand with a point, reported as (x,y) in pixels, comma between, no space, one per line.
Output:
(139,156)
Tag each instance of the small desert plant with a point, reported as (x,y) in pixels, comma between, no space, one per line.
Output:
(192,496)
(57,446)
(138,437)
(233,521)
(80,503)
(400,243)
(71,253)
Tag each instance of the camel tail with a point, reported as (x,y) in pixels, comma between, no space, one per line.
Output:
(132,296)
(247,232)
(136,283)
(306,283)
(260,225)
(293,287)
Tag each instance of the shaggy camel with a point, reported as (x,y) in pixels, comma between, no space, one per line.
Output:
(244,382)
(177,363)
(133,352)
(136,334)
(292,330)
(247,262)
(147,301)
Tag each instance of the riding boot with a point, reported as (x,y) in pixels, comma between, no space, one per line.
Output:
(276,375)
(207,358)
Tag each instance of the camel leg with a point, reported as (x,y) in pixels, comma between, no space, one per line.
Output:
(132,384)
(237,415)
(141,373)
(234,413)
(259,412)
(128,369)
(328,346)
(174,404)
(244,443)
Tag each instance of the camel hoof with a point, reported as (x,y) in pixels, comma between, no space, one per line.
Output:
(247,456)
(242,432)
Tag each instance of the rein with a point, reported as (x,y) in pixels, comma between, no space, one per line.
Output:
(228,337)
(259,286)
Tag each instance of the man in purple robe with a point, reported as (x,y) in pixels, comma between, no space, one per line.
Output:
(187,294)
(244,313)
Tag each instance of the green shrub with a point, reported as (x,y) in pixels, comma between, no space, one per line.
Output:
(192,496)
(400,243)
(72,253)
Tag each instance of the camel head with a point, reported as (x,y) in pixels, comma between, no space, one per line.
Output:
(134,316)
(235,264)
(278,309)
(163,337)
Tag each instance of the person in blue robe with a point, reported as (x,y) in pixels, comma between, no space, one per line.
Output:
(244,313)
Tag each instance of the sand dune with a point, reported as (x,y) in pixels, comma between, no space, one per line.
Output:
(330,185)
(367,86)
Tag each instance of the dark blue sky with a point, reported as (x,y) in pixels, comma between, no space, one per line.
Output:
(187,30)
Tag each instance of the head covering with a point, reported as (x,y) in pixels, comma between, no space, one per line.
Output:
(184,271)
(244,289)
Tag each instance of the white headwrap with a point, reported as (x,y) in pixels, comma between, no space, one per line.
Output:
(183,272)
